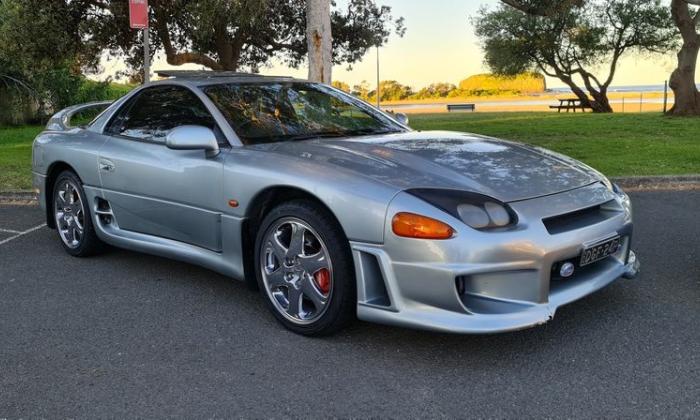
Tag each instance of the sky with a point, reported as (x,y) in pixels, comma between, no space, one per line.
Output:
(440,46)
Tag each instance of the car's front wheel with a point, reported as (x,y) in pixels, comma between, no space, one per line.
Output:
(304,268)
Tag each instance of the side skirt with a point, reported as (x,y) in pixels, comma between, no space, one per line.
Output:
(228,262)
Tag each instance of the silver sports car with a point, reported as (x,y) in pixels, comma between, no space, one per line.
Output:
(332,208)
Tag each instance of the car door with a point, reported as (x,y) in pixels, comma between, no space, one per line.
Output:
(151,189)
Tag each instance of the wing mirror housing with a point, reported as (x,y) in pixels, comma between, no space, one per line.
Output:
(401,118)
(193,137)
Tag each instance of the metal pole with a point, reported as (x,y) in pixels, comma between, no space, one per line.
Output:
(378,91)
(665,94)
(640,101)
(146,57)
(623,104)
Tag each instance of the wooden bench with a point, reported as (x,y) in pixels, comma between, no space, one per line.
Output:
(569,104)
(461,107)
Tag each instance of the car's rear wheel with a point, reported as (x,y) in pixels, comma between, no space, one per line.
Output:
(304,269)
(72,216)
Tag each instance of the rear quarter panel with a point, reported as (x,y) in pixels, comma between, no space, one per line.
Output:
(78,148)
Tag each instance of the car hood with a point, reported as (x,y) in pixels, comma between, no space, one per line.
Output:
(504,170)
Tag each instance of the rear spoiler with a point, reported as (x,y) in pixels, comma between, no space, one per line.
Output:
(60,121)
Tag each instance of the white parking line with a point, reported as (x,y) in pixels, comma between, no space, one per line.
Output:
(4,241)
(9,231)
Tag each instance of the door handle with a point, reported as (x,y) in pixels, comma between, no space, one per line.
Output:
(106,165)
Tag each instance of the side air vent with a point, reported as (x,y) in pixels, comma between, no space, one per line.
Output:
(581,218)
(375,292)
(104,211)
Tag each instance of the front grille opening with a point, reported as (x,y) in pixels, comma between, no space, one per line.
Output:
(581,218)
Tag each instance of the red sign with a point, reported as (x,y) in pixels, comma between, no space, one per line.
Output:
(138,14)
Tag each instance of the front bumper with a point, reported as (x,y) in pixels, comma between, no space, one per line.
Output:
(486,282)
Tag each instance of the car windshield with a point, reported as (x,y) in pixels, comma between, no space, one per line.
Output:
(274,112)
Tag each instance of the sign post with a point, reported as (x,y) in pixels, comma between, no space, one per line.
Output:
(138,19)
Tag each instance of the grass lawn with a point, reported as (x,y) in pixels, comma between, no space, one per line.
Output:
(16,157)
(616,144)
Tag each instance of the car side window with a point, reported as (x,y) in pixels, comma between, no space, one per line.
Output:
(155,111)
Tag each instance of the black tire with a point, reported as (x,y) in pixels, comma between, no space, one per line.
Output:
(342,298)
(89,243)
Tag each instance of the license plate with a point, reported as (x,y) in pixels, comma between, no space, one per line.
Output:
(599,251)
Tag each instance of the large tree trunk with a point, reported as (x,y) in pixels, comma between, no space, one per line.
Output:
(682,82)
(319,40)
(600,102)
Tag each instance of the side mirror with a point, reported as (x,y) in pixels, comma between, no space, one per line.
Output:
(401,117)
(193,137)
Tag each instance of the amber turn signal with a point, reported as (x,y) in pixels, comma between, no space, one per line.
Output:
(411,225)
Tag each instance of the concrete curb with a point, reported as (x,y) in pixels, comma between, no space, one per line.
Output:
(664,182)
(18,197)
(634,183)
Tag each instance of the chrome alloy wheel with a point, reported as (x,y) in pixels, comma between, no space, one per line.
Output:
(69,212)
(296,270)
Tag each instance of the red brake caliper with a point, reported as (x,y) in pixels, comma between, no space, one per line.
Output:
(323,280)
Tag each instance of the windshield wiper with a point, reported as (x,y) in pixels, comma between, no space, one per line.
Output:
(308,136)
(369,131)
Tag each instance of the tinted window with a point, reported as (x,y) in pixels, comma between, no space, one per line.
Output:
(271,112)
(156,111)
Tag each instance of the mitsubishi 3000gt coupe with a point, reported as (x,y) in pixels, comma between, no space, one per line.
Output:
(334,209)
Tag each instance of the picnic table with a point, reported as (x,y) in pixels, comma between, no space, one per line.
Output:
(569,104)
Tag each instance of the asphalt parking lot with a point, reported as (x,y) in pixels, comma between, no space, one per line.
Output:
(125,335)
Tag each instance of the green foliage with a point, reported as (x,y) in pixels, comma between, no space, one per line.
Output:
(341,85)
(91,90)
(16,157)
(238,34)
(435,91)
(391,90)
(361,90)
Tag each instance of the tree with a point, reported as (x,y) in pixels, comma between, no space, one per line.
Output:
(341,85)
(391,90)
(319,40)
(568,44)
(238,34)
(682,81)
(361,90)
(436,90)
(42,53)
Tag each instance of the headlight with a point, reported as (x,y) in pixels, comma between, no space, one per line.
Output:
(475,210)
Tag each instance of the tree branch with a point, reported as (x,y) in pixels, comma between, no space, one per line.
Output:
(172,56)
(680,11)
(552,8)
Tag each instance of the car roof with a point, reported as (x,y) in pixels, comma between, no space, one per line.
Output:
(203,78)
